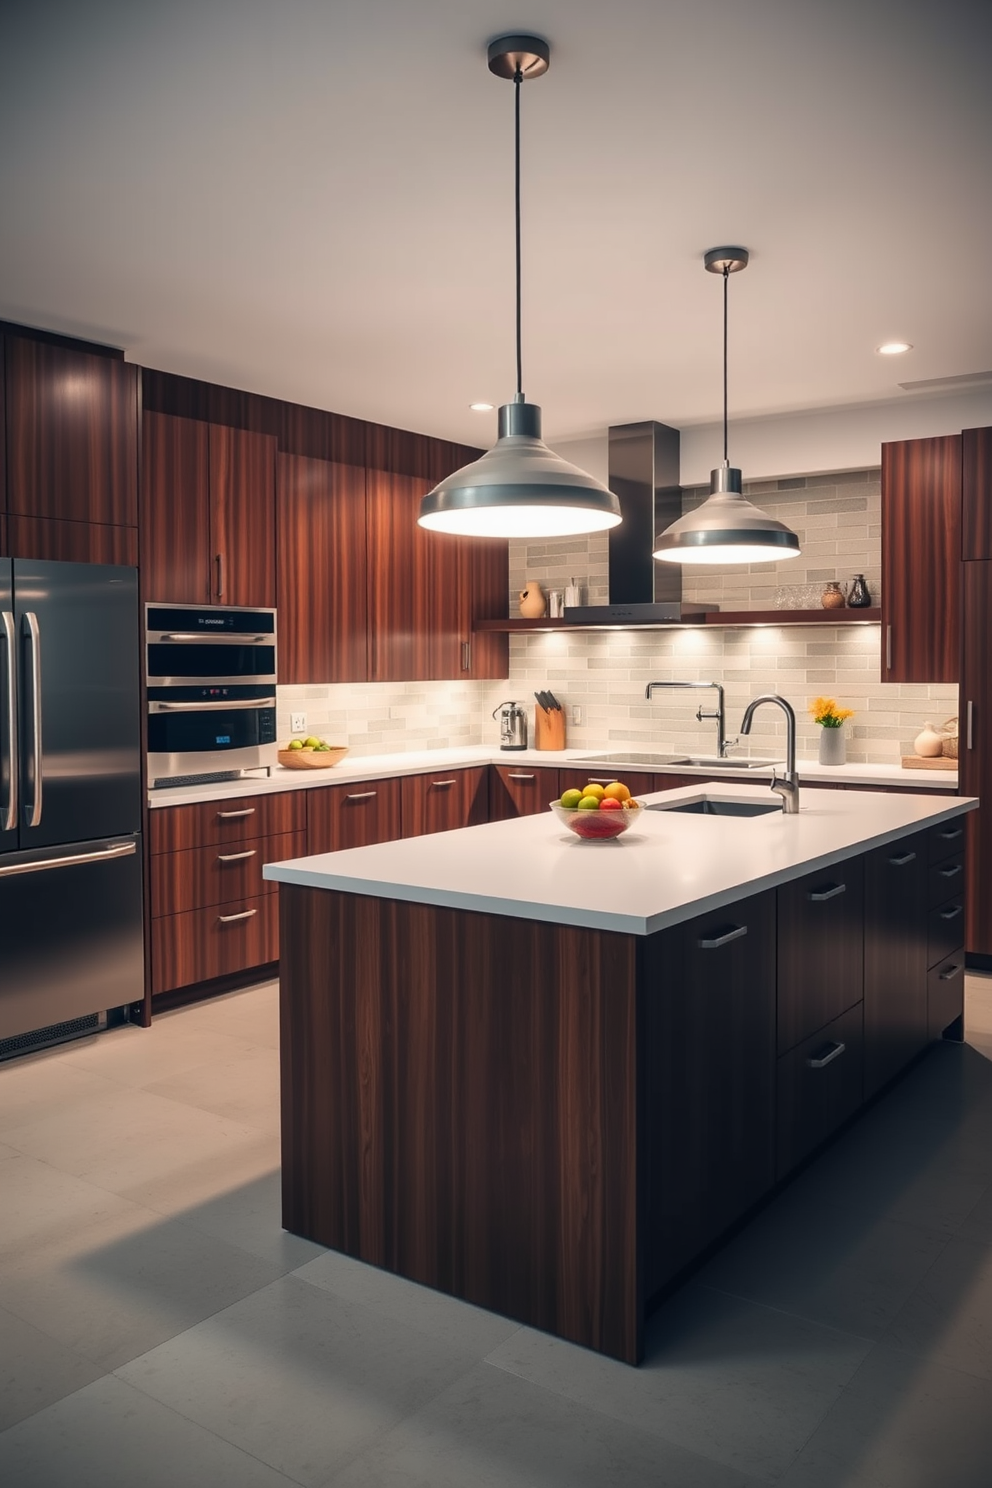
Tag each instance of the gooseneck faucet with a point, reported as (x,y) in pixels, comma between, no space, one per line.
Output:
(788,786)
(719,716)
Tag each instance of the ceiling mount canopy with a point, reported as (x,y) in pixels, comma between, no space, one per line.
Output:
(519,488)
(726,528)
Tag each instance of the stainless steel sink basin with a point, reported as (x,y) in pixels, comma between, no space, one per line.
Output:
(711,806)
(751,763)
(656,761)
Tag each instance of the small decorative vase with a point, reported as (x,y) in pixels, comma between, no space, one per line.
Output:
(860,597)
(928,744)
(532,602)
(833,746)
(832,597)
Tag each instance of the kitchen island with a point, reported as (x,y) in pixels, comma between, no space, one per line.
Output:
(546,1075)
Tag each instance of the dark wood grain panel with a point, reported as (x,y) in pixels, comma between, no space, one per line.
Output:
(946,928)
(459,1106)
(175,509)
(353,815)
(921,559)
(947,839)
(233,819)
(70,542)
(946,879)
(243,516)
(72,434)
(895,1003)
(820,950)
(483,567)
(575,777)
(976,493)
(202,944)
(444,800)
(945,997)
(200,876)
(819,1088)
(521,790)
(322,571)
(419,456)
(975,763)
(402,603)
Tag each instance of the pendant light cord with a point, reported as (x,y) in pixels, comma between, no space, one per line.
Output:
(726,278)
(518,78)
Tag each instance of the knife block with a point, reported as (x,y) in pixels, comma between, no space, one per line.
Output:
(549,728)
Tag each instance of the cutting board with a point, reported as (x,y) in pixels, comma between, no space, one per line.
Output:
(935,762)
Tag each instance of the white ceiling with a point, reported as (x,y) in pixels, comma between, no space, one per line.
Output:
(313,200)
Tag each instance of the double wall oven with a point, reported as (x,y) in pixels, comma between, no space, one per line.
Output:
(211,674)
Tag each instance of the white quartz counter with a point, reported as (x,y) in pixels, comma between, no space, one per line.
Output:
(424,761)
(667,868)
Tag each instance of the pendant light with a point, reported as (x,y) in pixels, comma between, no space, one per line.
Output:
(726,528)
(519,488)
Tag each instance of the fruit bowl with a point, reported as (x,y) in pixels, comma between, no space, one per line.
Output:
(597,826)
(312,759)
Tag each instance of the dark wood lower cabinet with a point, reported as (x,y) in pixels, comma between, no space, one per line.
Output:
(820,950)
(354,815)
(201,876)
(521,790)
(819,1088)
(945,996)
(206,943)
(896,958)
(441,802)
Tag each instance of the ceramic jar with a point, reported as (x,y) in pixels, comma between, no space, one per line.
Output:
(833,746)
(859,597)
(532,602)
(928,743)
(832,597)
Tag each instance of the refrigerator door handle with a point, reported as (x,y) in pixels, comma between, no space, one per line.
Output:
(33,636)
(8,823)
(102,855)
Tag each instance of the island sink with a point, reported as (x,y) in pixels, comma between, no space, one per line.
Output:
(717,806)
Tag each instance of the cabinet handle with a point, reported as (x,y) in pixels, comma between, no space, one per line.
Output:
(466,656)
(951,872)
(439,783)
(952,913)
(901,862)
(361,795)
(236,857)
(818,896)
(888,648)
(601,779)
(712,943)
(232,815)
(951,972)
(951,833)
(970,730)
(826,1056)
(245,914)
(521,777)
(219,560)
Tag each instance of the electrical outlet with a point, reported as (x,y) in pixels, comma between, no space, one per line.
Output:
(576,713)
(297,723)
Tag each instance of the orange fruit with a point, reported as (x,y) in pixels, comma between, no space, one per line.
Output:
(617,791)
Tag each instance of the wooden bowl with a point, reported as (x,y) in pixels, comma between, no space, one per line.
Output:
(312,759)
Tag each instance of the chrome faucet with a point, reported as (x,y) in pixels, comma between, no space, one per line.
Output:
(719,716)
(788,786)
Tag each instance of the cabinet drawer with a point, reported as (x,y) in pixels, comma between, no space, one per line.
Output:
(172,828)
(820,950)
(442,802)
(352,815)
(521,790)
(945,929)
(945,840)
(819,1088)
(206,943)
(945,993)
(201,876)
(946,880)
(638,782)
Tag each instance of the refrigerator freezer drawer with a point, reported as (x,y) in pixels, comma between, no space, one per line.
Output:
(71,928)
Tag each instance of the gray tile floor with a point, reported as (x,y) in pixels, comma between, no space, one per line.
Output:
(157,1325)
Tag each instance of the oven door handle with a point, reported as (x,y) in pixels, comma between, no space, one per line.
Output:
(208,638)
(268,702)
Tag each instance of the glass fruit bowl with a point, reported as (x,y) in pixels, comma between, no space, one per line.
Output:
(598,826)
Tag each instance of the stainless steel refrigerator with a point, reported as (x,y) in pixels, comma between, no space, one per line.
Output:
(70,799)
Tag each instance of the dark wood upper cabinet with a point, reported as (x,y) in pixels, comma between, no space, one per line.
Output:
(243,516)
(322,570)
(70,542)
(72,434)
(921,559)
(483,565)
(403,609)
(976,493)
(175,509)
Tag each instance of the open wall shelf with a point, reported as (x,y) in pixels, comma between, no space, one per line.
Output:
(719,618)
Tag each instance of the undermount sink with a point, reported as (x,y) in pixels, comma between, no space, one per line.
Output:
(714,806)
(730,764)
(656,761)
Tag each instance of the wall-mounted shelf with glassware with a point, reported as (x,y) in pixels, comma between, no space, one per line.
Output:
(721,618)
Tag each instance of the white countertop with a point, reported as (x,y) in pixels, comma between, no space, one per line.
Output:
(424,761)
(666,869)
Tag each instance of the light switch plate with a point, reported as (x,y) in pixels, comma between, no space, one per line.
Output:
(297,723)
(576,713)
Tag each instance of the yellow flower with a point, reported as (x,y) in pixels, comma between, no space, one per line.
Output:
(826,712)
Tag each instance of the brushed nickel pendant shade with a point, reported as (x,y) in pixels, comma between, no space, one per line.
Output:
(727,528)
(519,488)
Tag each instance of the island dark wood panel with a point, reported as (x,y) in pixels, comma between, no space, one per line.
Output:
(820,950)
(895,1000)
(459,1099)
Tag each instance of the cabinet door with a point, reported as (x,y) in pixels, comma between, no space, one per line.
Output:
(321,567)
(975,758)
(242,516)
(71,542)
(819,1088)
(521,790)
(72,434)
(820,950)
(403,610)
(638,782)
(352,815)
(205,943)
(484,569)
(895,958)
(708,1005)
(175,509)
(921,559)
(445,800)
(976,494)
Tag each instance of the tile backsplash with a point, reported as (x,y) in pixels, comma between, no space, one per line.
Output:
(377,717)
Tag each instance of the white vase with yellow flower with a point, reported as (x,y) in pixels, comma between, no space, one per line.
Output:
(833,741)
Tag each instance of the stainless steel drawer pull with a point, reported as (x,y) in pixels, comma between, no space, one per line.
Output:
(951,972)
(236,857)
(245,914)
(120,850)
(442,782)
(361,795)
(232,815)
(953,871)
(601,779)
(826,1056)
(952,913)
(521,777)
(888,648)
(819,896)
(901,862)
(734,932)
(266,702)
(950,834)
(971,725)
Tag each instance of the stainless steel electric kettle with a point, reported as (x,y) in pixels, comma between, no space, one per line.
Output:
(512,725)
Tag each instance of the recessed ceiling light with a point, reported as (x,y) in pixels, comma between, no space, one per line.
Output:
(481,407)
(893,348)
